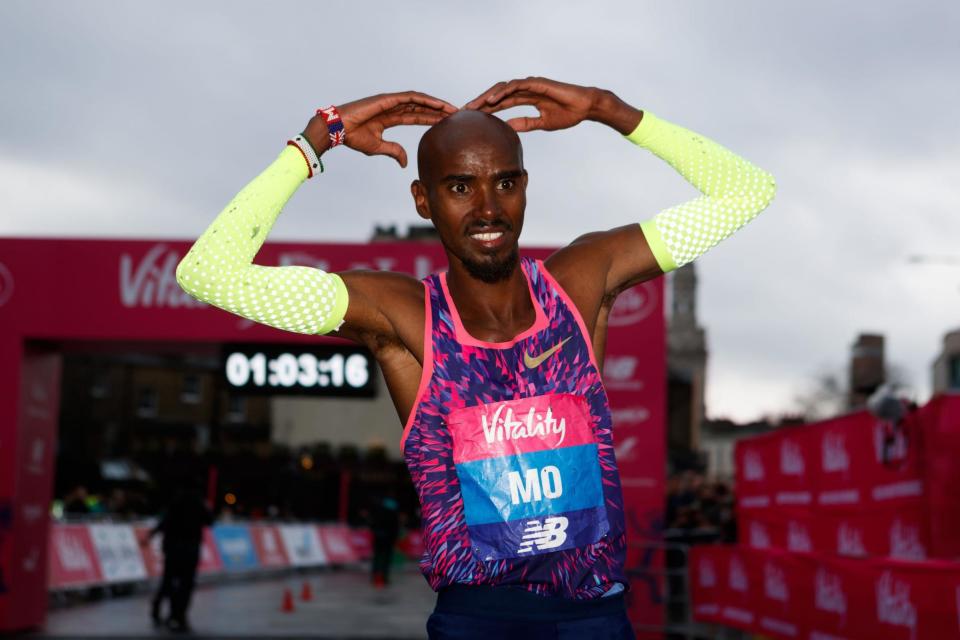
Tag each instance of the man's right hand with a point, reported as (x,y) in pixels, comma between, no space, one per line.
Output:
(365,121)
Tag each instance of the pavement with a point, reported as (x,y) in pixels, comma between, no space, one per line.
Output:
(344,606)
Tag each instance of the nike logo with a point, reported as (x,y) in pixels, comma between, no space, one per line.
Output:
(534,362)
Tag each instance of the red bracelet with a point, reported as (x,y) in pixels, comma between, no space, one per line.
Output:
(331,116)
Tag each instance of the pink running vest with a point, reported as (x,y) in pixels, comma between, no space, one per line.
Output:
(510,447)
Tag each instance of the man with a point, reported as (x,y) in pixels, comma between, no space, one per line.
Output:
(493,366)
(384,520)
(182,529)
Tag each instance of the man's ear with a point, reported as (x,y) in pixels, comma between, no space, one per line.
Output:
(419,192)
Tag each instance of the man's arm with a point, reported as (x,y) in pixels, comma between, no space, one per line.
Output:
(734,191)
(219,268)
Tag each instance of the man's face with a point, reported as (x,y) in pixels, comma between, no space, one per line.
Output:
(473,188)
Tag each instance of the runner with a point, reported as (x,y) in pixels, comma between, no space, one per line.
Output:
(494,365)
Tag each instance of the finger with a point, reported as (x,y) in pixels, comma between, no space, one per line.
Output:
(517,100)
(393,150)
(482,98)
(416,97)
(417,108)
(532,85)
(411,118)
(526,124)
(422,119)
(412,114)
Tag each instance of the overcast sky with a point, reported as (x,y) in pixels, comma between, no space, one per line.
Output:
(136,119)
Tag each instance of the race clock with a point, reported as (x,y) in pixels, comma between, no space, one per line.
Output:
(325,370)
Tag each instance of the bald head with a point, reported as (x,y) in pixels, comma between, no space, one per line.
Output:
(459,134)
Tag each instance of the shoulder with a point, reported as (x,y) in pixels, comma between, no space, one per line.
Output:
(603,263)
(581,266)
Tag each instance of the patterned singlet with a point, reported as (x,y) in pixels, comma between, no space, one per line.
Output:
(510,447)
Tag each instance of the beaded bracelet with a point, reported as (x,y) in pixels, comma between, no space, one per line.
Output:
(309,155)
(331,116)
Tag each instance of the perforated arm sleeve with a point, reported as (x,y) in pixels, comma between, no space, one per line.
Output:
(219,267)
(734,192)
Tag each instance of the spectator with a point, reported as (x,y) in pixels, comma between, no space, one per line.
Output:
(182,528)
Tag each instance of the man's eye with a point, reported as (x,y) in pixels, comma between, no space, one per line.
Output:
(507,184)
(458,187)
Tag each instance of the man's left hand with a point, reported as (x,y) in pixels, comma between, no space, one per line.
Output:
(560,105)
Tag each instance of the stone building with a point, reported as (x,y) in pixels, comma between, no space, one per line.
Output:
(867,368)
(946,368)
(686,365)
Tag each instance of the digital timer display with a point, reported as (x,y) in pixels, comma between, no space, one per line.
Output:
(318,371)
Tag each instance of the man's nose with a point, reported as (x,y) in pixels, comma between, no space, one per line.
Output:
(490,207)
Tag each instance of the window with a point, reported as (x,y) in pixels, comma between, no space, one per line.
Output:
(236,409)
(190,391)
(953,373)
(147,401)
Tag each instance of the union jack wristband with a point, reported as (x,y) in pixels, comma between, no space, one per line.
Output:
(314,165)
(331,116)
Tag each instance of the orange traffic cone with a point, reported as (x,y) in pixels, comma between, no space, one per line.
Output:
(287,606)
(306,594)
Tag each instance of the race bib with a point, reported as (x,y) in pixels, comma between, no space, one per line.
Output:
(529,475)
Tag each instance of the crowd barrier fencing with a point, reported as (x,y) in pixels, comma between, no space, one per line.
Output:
(816,596)
(669,579)
(855,485)
(100,554)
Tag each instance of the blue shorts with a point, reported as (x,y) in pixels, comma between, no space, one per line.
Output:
(494,613)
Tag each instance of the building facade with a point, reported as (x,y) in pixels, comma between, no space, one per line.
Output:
(946,368)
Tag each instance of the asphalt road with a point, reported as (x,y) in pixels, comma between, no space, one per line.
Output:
(344,605)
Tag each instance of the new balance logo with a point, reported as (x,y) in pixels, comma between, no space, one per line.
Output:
(549,535)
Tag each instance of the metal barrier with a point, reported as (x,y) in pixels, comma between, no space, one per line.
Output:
(673,579)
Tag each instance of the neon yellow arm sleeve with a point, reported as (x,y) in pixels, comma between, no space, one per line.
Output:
(734,192)
(219,267)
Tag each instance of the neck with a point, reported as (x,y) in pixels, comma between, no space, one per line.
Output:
(493,312)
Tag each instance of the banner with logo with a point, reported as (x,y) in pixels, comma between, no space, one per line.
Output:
(152,551)
(268,545)
(235,547)
(361,540)
(634,375)
(335,539)
(793,595)
(210,561)
(28,429)
(72,557)
(118,552)
(302,544)
(825,597)
(854,485)
(941,420)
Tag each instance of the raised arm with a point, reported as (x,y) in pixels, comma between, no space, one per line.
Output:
(219,267)
(733,190)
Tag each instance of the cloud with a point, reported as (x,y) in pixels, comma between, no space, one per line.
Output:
(47,200)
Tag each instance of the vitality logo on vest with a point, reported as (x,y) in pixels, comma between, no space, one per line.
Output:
(549,535)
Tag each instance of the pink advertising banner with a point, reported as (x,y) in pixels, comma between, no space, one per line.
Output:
(125,291)
(815,595)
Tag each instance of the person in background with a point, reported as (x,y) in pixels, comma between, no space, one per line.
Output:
(385,526)
(75,502)
(182,529)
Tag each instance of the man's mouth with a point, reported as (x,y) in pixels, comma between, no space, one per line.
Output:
(489,239)
(487,236)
